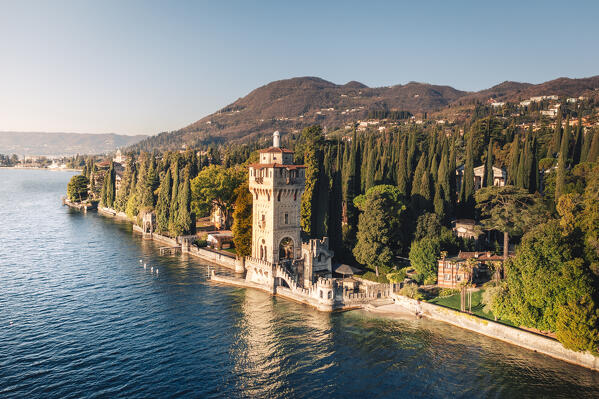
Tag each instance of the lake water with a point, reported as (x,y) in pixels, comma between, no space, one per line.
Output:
(80,317)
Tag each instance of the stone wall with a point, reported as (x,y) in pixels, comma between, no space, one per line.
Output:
(505,333)
(219,258)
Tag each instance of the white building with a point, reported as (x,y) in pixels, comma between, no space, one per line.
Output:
(499,176)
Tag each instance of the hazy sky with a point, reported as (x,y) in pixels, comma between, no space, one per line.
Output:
(136,67)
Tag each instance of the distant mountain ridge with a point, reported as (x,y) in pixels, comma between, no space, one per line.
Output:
(63,144)
(291,104)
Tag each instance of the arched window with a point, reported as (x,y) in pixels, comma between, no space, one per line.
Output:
(286,249)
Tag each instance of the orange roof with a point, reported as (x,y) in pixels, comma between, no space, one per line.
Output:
(275,165)
(276,149)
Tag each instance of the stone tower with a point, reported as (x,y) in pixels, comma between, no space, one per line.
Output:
(276,185)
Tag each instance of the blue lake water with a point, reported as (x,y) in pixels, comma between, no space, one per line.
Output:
(80,317)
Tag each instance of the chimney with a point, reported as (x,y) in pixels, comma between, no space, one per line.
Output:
(276,139)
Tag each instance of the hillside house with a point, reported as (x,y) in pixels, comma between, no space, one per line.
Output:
(466,228)
(453,272)
(499,176)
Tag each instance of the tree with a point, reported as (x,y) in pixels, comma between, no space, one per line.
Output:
(77,188)
(312,140)
(184,222)
(514,159)
(379,227)
(424,256)
(402,170)
(467,190)
(509,209)
(215,186)
(560,182)
(108,188)
(489,176)
(163,204)
(427,226)
(551,288)
(593,154)
(242,221)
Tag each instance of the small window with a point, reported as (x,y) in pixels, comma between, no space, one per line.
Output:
(321,293)
(286,218)
(329,294)
(447,277)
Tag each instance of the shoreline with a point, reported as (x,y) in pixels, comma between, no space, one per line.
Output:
(406,307)
(40,168)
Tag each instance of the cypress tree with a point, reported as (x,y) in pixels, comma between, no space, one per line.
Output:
(184,219)
(411,155)
(588,139)
(324,188)
(402,169)
(557,137)
(424,196)
(444,186)
(512,175)
(420,170)
(172,220)
(434,170)
(560,182)
(577,150)
(163,204)
(453,184)
(489,176)
(528,163)
(108,188)
(310,199)
(534,168)
(521,175)
(594,150)
(468,181)
(371,168)
(335,199)
(439,203)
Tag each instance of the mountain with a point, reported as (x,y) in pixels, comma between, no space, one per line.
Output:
(291,104)
(63,144)
(515,91)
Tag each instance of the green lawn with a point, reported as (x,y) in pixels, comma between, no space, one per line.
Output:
(231,250)
(453,302)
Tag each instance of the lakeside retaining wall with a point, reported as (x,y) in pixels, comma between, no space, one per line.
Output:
(512,335)
(219,258)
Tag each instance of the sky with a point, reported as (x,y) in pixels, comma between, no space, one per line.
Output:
(143,67)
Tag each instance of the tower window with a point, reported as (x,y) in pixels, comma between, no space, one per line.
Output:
(286,218)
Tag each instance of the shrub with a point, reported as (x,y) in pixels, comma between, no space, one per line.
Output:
(370,275)
(200,243)
(430,280)
(397,276)
(411,291)
(448,292)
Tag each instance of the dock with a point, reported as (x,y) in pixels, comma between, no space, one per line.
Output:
(170,250)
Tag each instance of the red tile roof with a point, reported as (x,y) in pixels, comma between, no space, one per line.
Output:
(276,149)
(276,165)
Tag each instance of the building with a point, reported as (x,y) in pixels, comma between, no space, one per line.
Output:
(454,271)
(119,158)
(220,239)
(277,186)
(466,228)
(499,176)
